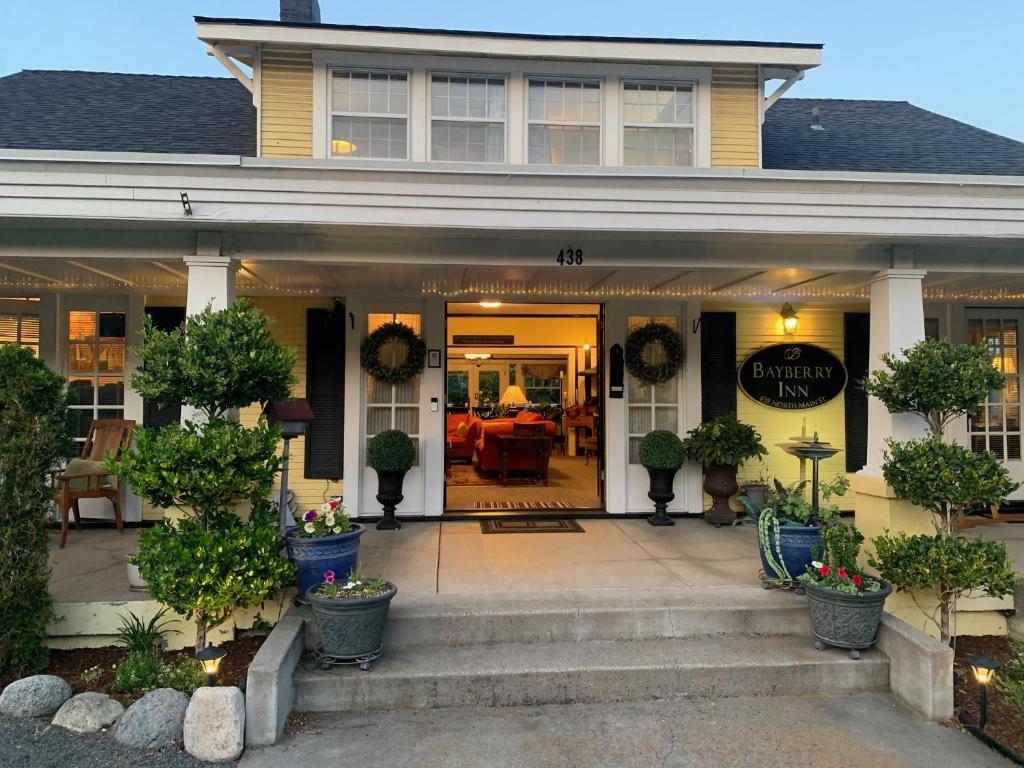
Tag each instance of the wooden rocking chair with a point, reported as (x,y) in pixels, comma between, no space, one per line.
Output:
(86,476)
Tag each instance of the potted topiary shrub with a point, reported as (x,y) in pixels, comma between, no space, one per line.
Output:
(846,604)
(350,614)
(325,540)
(789,529)
(661,452)
(391,453)
(720,446)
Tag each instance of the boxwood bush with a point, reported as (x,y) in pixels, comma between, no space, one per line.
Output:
(391,451)
(661,449)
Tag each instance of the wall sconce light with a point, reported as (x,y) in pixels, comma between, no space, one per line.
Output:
(790,320)
(984,668)
(210,657)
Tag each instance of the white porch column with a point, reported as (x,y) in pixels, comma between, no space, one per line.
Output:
(211,280)
(897,322)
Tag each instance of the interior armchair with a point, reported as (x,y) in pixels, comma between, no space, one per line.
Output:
(86,477)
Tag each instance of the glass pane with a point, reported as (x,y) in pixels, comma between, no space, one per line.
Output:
(458,388)
(467,141)
(639,392)
(377,392)
(379,92)
(634,450)
(978,443)
(1013,447)
(667,391)
(81,326)
(564,145)
(377,420)
(995,417)
(488,384)
(111,357)
(640,420)
(1013,418)
(467,97)
(995,444)
(111,390)
(409,391)
(81,420)
(657,146)
(368,137)
(1011,393)
(80,391)
(112,325)
(407,420)
(666,418)
(974,333)
(110,413)
(657,103)
(81,358)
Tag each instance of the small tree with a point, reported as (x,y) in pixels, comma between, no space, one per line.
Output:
(33,437)
(210,562)
(940,382)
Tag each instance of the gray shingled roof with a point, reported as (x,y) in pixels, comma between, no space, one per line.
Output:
(99,111)
(102,111)
(890,136)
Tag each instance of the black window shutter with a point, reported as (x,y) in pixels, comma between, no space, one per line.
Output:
(325,390)
(717,364)
(856,334)
(153,415)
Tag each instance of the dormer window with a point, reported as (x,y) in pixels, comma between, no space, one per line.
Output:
(467,118)
(564,122)
(657,124)
(369,114)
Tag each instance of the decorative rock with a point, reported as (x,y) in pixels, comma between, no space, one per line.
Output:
(154,721)
(215,724)
(88,712)
(35,696)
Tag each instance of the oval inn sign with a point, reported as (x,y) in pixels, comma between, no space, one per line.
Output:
(792,376)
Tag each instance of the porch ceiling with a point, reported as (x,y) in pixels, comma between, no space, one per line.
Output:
(38,275)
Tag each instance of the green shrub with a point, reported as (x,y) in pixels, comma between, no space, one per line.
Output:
(725,440)
(841,544)
(205,567)
(216,361)
(141,638)
(936,380)
(945,478)
(185,675)
(661,449)
(391,450)
(1010,681)
(791,506)
(949,567)
(202,466)
(33,438)
(91,676)
(138,672)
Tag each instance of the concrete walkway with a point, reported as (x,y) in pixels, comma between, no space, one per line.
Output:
(867,731)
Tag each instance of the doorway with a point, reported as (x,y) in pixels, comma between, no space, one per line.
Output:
(523,408)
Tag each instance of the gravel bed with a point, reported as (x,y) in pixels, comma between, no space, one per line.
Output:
(28,743)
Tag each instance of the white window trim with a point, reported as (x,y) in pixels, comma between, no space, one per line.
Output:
(517,72)
(505,123)
(600,123)
(332,113)
(624,124)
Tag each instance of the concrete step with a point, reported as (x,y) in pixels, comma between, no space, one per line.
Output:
(584,615)
(524,674)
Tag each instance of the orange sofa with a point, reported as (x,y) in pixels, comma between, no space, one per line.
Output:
(460,447)
(488,453)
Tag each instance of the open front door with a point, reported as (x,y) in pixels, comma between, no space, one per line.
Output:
(995,424)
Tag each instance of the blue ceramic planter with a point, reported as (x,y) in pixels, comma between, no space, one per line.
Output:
(314,557)
(796,543)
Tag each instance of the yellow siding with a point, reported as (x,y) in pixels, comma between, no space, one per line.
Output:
(735,117)
(286,102)
(758,327)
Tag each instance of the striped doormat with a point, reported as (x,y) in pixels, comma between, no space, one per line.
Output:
(552,525)
(523,505)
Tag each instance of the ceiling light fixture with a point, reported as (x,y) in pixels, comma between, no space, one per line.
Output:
(490,304)
(343,147)
(477,355)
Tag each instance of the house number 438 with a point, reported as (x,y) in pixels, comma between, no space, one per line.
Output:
(570,257)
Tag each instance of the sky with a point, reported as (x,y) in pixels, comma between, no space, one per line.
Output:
(961,59)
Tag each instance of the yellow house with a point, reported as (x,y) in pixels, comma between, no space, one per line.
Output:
(523,202)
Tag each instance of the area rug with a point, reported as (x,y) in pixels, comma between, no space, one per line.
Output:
(527,505)
(531,526)
(469,475)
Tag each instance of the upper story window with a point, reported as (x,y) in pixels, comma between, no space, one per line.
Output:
(467,118)
(369,114)
(564,119)
(657,124)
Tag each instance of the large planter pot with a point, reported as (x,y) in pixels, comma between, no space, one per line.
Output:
(720,484)
(661,494)
(843,620)
(757,493)
(796,543)
(351,630)
(389,495)
(314,557)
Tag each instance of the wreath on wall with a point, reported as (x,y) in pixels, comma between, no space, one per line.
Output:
(654,333)
(393,333)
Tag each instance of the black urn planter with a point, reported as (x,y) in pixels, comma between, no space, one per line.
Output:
(720,484)
(389,494)
(661,494)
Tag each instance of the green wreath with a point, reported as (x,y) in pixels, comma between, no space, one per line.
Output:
(638,340)
(369,353)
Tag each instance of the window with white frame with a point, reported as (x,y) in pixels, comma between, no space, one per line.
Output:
(564,122)
(657,124)
(467,118)
(96,375)
(369,114)
(21,329)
